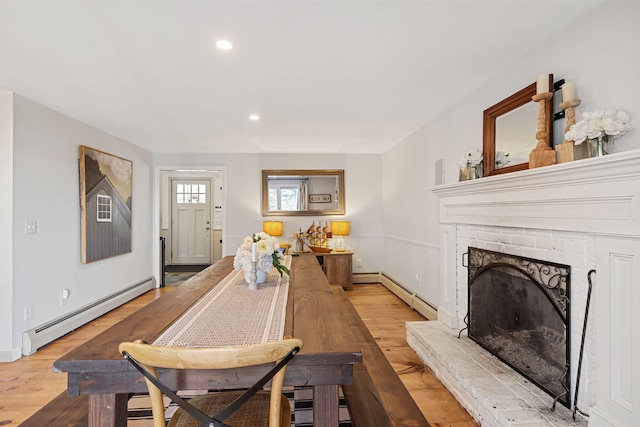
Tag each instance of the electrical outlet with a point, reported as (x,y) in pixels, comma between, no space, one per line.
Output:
(358,262)
(28,313)
(418,277)
(31,226)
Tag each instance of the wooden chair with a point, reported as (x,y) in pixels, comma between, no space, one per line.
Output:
(254,407)
(286,247)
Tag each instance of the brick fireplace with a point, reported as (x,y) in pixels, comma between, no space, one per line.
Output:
(585,214)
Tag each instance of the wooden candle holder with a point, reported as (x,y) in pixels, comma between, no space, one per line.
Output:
(542,154)
(568,151)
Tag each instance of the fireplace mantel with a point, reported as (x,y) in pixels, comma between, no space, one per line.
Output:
(585,214)
(596,195)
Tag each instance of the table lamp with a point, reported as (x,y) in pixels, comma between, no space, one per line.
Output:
(272,228)
(339,228)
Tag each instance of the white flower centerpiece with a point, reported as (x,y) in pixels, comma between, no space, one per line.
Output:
(471,165)
(265,250)
(599,128)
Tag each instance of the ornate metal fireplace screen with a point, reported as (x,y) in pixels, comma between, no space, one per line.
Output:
(518,310)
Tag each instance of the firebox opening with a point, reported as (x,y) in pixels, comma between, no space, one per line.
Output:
(518,310)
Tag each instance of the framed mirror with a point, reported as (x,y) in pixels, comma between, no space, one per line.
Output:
(303,192)
(509,133)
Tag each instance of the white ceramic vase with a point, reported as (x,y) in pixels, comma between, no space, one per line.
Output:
(261,276)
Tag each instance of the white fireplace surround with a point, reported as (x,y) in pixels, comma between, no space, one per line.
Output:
(586,214)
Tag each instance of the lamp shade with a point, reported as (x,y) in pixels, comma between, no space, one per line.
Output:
(272,228)
(340,228)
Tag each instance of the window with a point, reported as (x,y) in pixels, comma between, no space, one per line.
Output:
(191,193)
(104,208)
(283,198)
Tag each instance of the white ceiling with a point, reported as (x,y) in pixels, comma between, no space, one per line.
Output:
(352,76)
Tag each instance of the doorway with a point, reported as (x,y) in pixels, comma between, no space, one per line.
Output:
(191,221)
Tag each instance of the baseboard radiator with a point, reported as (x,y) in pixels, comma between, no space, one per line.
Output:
(37,337)
(411,298)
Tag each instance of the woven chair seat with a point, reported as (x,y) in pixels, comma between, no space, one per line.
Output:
(254,413)
(239,408)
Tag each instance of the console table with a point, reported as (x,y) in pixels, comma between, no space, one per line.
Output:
(337,266)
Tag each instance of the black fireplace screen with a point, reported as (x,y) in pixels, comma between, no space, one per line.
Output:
(519,311)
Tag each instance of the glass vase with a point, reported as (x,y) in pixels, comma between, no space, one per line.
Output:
(469,172)
(598,147)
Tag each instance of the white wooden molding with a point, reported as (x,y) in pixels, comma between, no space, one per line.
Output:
(597,195)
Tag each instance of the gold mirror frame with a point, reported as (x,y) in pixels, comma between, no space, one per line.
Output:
(490,116)
(305,173)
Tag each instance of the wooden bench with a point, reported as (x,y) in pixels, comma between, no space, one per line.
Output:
(377,396)
(63,411)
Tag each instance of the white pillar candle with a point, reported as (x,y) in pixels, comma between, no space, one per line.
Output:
(253,252)
(568,92)
(542,85)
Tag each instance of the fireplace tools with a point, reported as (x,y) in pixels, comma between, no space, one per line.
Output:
(584,333)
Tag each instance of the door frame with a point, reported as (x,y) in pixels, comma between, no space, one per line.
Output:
(172,203)
(159,219)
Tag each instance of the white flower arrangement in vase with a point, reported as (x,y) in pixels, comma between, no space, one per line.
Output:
(267,254)
(599,128)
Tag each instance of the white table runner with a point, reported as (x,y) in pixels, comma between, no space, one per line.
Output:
(232,315)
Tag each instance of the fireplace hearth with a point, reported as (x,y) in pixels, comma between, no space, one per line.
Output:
(518,311)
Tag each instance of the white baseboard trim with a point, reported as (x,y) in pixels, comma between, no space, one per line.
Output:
(46,333)
(447,318)
(411,299)
(366,278)
(10,355)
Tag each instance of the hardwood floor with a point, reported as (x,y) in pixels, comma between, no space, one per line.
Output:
(29,383)
(385,315)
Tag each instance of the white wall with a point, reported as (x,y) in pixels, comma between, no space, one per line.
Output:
(598,53)
(6,221)
(243,180)
(46,189)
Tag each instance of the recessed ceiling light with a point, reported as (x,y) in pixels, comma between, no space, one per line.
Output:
(224,45)
(254,117)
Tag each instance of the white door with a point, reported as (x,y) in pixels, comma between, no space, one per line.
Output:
(191,221)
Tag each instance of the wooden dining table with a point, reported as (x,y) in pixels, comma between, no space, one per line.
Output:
(97,369)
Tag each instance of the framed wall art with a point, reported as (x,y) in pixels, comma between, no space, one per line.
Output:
(319,198)
(105,204)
